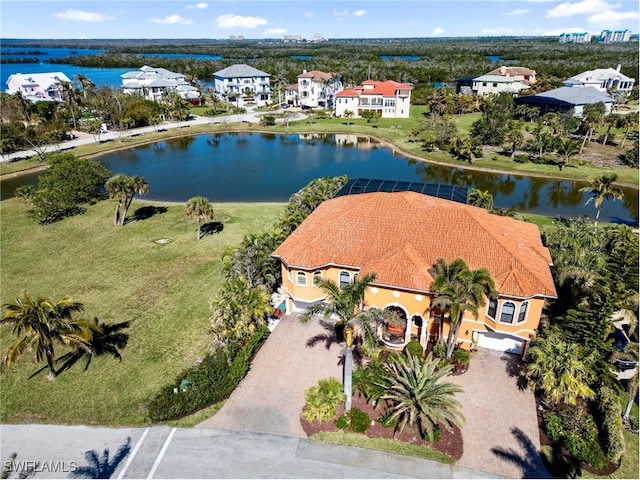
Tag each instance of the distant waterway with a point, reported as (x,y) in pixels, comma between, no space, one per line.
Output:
(253,167)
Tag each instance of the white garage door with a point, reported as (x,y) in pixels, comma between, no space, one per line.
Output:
(500,341)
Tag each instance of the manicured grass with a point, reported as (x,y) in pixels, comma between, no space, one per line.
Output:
(120,274)
(385,445)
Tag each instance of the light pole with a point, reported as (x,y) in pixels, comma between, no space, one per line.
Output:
(347,351)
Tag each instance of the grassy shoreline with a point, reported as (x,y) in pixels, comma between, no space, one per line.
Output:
(392,133)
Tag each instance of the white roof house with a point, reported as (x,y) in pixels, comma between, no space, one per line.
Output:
(153,83)
(38,87)
(602,79)
(494,84)
(243,83)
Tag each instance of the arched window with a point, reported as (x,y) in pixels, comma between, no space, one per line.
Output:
(522,315)
(508,311)
(302,278)
(317,276)
(492,309)
(345,278)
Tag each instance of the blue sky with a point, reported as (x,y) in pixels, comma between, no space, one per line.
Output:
(332,19)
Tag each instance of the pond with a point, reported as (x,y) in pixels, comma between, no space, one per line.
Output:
(255,167)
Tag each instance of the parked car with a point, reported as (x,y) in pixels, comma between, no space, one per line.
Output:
(625,364)
(284,105)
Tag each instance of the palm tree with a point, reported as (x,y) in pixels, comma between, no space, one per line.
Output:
(416,394)
(479,198)
(566,150)
(601,189)
(40,323)
(348,114)
(460,289)
(100,466)
(561,370)
(71,100)
(200,209)
(627,122)
(87,84)
(593,118)
(514,136)
(123,189)
(631,353)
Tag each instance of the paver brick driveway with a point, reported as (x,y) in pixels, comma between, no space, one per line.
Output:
(271,396)
(501,428)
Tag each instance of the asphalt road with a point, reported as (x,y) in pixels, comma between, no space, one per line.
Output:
(162,452)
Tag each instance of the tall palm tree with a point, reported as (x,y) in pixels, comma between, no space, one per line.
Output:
(627,122)
(200,209)
(460,289)
(562,370)
(71,100)
(40,323)
(601,189)
(87,84)
(417,395)
(592,119)
(123,189)
(348,114)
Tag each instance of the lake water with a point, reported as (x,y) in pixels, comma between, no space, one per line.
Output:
(253,167)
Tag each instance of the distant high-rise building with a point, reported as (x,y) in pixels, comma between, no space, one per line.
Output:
(608,36)
(291,38)
(576,37)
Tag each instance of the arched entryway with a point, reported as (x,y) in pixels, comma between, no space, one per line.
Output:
(394,331)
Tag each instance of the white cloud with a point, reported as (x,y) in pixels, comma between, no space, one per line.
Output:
(82,16)
(198,6)
(340,13)
(230,20)
(558,31)
(585,7)
(497,31)
(609,18)
(308,14)
(359,13)
(518,11)
(437,31)
(172,20)
(275,31)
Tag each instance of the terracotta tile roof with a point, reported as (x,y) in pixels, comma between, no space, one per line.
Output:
(386,89)
(317,75)
(399,236)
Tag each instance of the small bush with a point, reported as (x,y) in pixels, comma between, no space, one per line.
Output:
(367,380)
(439,350)
(435,436)
(322,400)
(341,422)
(414,348)
(521,159)
(268,120)
(461,357)
(359,421)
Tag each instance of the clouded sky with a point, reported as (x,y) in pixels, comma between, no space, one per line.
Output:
(332,19)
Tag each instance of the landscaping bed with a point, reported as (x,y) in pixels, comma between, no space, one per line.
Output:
(450,442)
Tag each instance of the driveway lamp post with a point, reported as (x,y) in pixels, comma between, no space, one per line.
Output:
(348,365)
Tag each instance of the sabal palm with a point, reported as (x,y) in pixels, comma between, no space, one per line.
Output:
(566,150)
(40,323)
(601,189)
(479,198)
(417,396)
(344,302)
(199,208)
(561,370)
(460,289)
(123,189)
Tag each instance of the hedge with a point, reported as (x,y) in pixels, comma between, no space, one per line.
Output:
(610,413)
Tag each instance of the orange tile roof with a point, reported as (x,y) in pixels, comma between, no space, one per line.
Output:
(399,236)
(316,75)
(386,89)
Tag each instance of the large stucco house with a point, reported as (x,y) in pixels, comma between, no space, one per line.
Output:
(38,87)
(567,100)
(243,84)
(527,75)
(156,83)
(399,237)
(496,84)
(318,89)
(602,79)
(388,99)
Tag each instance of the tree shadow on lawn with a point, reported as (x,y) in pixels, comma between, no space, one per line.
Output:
(144,213)
(529,459)
(100,466)
(516,368)
(211,228)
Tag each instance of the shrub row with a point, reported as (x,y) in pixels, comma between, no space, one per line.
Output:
(211,381)
(610,413)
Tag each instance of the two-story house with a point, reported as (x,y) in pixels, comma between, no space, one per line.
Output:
(318,89)
(386,99)
(157,83)
(495,84)
(525,74)
(399,237)
(243,84)
(38,87)
(602,79)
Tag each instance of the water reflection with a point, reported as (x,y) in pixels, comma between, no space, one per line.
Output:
(271,167)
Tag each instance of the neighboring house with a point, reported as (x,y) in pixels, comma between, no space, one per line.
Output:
(156,83)
(399,237)
(603,79)
(244,85)
(495,84)
(318,89)
(567,99)
(291,94)
(388,99)
(527,75)
(582,37)
(38,87)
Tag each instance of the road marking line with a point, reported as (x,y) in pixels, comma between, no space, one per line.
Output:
(161,454)
(133,454)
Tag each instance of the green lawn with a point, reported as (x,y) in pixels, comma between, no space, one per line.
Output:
(120,274)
